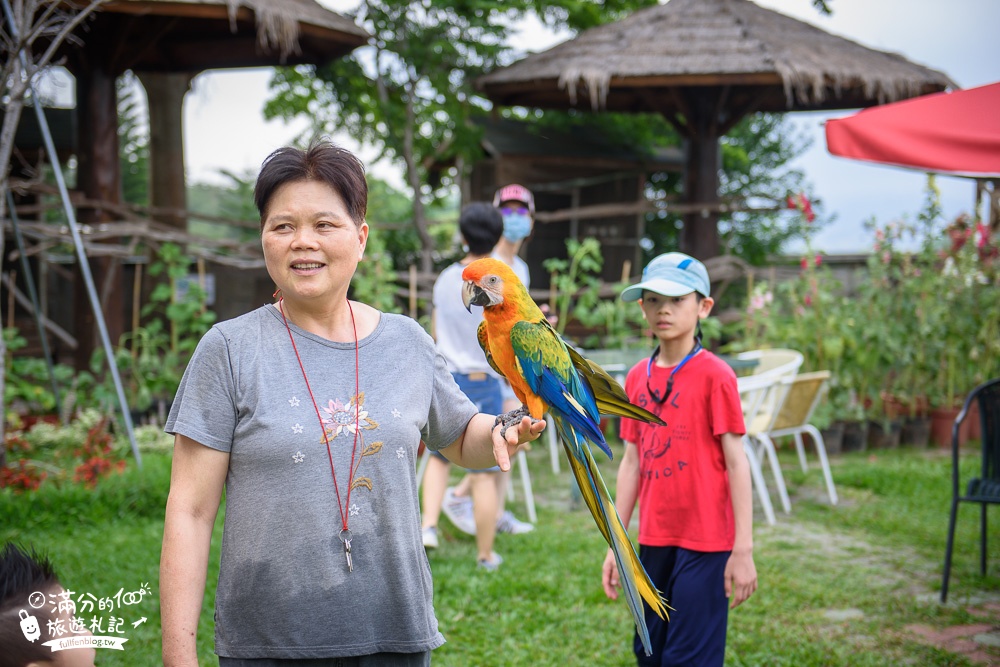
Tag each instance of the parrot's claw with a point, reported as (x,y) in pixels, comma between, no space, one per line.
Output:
(512,418)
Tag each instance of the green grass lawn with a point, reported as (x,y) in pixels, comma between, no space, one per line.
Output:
(879,554)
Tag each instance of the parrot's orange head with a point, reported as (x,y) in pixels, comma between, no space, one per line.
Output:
(485,283)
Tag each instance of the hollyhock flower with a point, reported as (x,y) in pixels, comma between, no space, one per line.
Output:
(982,235)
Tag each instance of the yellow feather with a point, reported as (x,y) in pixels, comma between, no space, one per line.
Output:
(608,521)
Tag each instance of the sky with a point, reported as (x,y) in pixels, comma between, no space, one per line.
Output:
(225,129)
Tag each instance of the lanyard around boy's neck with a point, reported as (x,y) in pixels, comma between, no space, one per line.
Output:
(670,379)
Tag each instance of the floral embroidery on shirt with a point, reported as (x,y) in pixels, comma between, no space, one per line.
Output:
(297,429)
(348,417)
(400,453)
(396,414)
(355,510)
(352,418)
(298,457)
(294,402)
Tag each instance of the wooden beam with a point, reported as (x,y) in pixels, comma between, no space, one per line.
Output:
(646,206)
(49,325)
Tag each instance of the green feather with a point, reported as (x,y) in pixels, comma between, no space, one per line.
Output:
(611,398)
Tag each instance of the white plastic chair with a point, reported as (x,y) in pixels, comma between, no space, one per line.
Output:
(803,393)
(760,396)
(776,362)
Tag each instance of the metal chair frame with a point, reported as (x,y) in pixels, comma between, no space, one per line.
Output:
(984,490)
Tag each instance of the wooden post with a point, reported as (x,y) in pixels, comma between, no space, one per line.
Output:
(700,234)
(626,270)
(99,177)
(10,298)
(413,291)
(202,283)
(136,301)
(165,92)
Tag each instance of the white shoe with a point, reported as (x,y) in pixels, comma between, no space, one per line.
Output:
(458,509)
(490,565)
(508,523)
(430,535)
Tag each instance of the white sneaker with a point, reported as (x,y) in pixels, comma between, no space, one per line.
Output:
(492,564)
(430,535)
(458,509)
(508,523)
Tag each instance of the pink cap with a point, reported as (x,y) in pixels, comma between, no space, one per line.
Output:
(515,192)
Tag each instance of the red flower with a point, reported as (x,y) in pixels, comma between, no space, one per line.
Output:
(802,203)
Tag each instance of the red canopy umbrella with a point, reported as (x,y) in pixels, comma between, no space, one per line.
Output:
(954,133)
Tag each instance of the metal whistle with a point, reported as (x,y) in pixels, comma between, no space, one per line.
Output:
(345,537)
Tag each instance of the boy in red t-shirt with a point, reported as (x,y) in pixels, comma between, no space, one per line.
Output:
(691,476)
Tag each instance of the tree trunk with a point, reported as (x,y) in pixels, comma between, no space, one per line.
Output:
(413,179)
(165,93)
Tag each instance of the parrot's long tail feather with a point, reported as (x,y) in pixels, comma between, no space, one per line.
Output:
(611,399)
(634,579)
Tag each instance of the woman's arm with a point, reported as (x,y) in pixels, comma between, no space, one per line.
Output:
(197,476)
(741,573)
(481,446)
(626,493)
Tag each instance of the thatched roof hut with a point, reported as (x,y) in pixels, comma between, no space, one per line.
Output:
(180,35)
(167,42)
(771,61)
(704,65)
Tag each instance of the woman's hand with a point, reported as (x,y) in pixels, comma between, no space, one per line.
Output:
(506,446)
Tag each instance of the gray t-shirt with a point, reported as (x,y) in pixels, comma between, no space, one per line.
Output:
(284,588)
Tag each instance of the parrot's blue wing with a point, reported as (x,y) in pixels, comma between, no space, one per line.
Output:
(548,369)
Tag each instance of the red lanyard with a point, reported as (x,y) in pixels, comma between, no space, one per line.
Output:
(344,508)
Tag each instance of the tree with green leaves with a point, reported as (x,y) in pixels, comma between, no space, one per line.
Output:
(410,94)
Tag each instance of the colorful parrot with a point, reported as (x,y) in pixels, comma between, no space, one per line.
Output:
(547,375)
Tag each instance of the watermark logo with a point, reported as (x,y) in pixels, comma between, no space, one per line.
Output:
(86,621)
(29,626)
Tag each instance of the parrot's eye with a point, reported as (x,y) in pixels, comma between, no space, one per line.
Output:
(492,280)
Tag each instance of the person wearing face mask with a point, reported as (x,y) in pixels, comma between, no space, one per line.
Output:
(517,206)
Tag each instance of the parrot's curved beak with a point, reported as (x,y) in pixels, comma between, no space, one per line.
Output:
(473,295)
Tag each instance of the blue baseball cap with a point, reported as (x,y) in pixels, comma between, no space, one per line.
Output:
(671,274)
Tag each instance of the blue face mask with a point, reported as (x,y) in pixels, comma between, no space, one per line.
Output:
(516,226)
